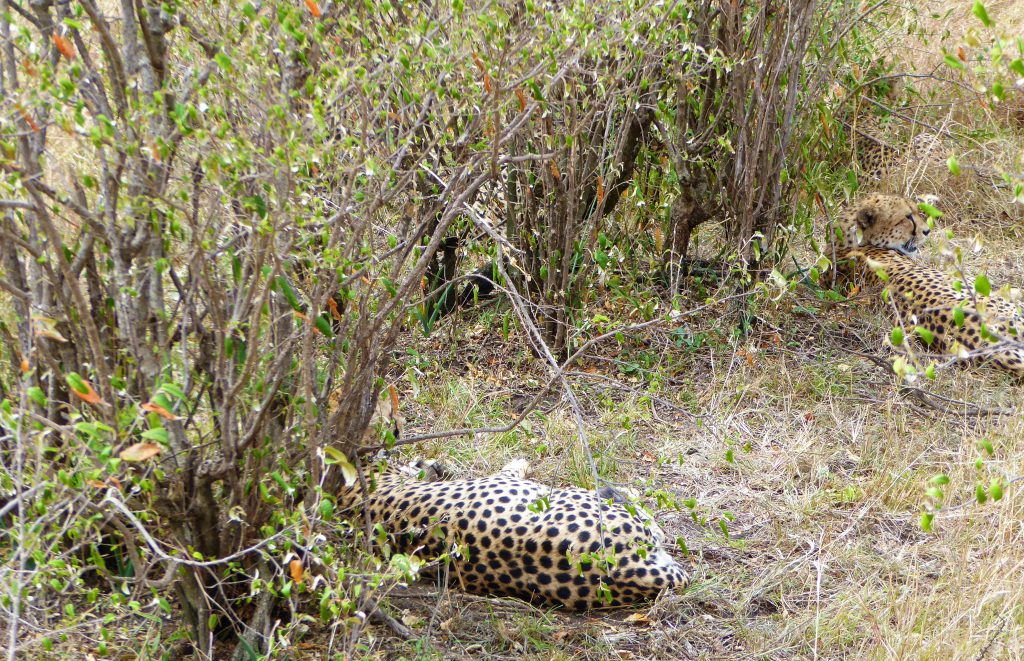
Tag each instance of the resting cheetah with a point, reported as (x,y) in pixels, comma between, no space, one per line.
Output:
(507,535)
(881,235)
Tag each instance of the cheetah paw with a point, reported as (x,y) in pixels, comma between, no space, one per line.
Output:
(516,468)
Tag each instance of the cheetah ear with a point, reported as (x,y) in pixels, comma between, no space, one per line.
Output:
(866,217)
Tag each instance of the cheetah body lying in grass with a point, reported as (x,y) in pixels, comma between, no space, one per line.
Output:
(880,237)
(506,535)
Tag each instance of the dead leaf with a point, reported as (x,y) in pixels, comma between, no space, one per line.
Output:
(150,407)
(639,619)
(46,327)
(64,46)
(24,365)
(333,306)
(821,202)
(88,395)
(29,120)
(522,99)
(140,452)
(295,568)
(313,8)
(411,620)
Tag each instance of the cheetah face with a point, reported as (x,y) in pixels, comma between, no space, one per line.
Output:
(884,221)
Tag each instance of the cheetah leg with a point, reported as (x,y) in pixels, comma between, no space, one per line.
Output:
(516,469)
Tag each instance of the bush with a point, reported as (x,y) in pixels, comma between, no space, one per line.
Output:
(216,217)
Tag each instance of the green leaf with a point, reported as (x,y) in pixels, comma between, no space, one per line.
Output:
(940,479)
(286,290)
(158,434)
(926,335)
(953,165)
(174,390)
(256,203)
(929,209)
(998,91)
(324,325)
(995,489)
(1017,66)
(952,62)
(896,337)
(979,11)
(935,492)
(979,494)
(334,456)
(958,316)
(986,445)
(982,285)
(77,383)
(36,394)
(926,521)
(223,61)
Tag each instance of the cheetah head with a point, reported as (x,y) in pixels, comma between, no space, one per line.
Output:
(882,221)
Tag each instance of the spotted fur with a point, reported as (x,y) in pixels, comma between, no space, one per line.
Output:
(879,158)
(882,235)
(507,535)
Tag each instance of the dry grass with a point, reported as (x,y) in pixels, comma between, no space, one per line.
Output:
(815,460)
(821,499)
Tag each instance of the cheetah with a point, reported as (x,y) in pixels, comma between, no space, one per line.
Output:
(880,237)
(509,536)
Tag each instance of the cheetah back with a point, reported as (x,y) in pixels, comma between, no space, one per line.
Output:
(516,537)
